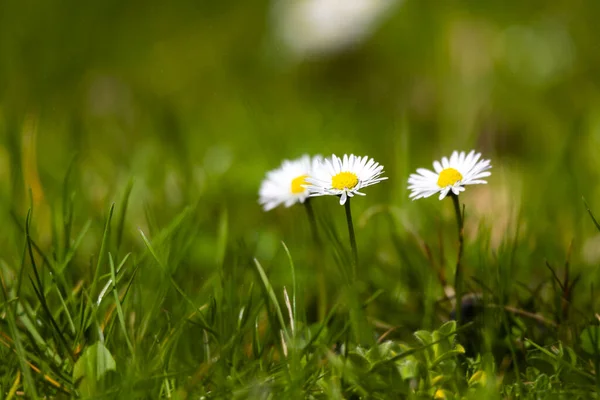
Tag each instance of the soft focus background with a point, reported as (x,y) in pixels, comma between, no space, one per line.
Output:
(192,102)
(196,101)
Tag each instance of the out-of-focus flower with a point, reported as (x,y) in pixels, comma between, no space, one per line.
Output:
(317,27)
(286,184)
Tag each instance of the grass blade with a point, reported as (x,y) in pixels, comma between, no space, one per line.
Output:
(120,314)
(271,295)
(102,250)
(591,214)
(29,383)
(175,285)
(294,286)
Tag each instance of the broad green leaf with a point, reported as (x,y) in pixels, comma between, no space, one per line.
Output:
(424,337)
(91,367)
(409,368)
(446,356)
(448,328)
(442,346)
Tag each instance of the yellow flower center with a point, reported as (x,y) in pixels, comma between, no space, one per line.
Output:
(344,180)
(449,177)
(297,183)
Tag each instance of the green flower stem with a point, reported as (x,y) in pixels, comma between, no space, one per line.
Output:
(312,222)
(315,257)
(458,273)
(352,238)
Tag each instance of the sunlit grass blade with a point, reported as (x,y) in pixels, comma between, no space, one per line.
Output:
(257,348)
(120,314)
(293,311)
(14,387)
(268,288)
(101,255)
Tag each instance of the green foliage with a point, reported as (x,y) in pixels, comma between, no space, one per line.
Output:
(91,367)
(135,261)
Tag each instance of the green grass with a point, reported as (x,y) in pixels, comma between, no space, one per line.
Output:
(156,312)
(135,261)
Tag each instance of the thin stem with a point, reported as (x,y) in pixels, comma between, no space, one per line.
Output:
(315,257)
(312,222)
(352,238)
(458,278)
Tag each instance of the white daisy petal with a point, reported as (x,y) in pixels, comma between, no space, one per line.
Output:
(454,158)
(470,157)
(445,162)
(343,198)
(330,166)
(451,175)
(443,193)
(427,173)
(363,163)
(481,175)
(474,160)
(288,184)
(349,174)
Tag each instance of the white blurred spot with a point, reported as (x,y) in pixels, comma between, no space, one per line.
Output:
(317,27)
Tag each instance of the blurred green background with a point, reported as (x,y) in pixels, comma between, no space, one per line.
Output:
(196,100)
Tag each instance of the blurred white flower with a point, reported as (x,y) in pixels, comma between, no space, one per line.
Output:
(450,175)
(344,177)
(286,184)
(315,27)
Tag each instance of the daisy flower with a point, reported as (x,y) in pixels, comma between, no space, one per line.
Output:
(286,184)
(344,177)
(450,175)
